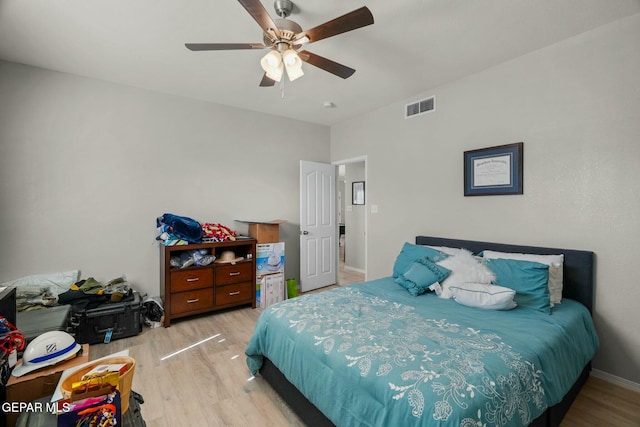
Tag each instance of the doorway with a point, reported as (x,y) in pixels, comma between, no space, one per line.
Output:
(352,219)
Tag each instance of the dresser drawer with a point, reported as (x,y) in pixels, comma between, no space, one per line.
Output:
(191,279)
(185,302)
(236,293)
(234,273)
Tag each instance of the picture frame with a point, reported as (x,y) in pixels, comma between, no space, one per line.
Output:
(494,170)
(357,193)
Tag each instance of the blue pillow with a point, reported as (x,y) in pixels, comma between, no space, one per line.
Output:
(529,280)
(411,253)
(420,275)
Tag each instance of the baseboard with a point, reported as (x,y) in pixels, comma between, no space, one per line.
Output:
(357,270)
(615,379)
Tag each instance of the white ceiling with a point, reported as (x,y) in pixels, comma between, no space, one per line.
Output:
(414,45)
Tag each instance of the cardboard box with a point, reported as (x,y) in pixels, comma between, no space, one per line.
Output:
(39,383)
(265,231)
(269,258)
(272,289)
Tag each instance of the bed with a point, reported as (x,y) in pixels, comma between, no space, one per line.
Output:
(374,354)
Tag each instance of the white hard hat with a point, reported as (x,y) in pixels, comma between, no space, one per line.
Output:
(46,350)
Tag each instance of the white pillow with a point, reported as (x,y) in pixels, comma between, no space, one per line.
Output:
(555,263)
(465,268)
(481,295)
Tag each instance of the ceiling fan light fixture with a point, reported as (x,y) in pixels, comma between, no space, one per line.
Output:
(293,64)
(271,63)
(294,73)
(291,58)
(276,73)
(271,60)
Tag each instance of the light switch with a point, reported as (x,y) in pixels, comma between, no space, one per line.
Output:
(374,208)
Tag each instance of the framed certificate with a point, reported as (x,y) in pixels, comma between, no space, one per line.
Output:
(494,170)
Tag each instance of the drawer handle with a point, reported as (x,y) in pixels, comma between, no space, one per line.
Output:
(191,301)
(193,279)
(234,273)
(234,293)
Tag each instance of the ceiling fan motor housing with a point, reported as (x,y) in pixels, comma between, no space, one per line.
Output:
(288,29)
(283,7)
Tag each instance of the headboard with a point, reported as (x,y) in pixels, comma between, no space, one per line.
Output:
(578,273)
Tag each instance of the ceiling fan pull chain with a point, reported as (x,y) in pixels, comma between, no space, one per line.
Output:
(282,88)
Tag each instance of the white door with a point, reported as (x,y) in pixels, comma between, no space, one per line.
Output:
(318,228)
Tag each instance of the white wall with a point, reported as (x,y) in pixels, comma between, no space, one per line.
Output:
(87,166)
(576,107)
(354,239)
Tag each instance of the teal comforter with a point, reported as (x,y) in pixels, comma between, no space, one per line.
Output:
(371,354)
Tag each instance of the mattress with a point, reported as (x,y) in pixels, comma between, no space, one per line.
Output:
(371,354)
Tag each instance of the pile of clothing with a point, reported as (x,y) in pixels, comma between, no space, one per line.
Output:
(195,257)
(40,291)
(218,232)
(175,230)
(89,293)
(35,297)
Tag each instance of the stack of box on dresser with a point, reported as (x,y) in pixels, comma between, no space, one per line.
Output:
(270,283)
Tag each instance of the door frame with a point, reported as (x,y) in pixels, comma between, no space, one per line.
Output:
(357,159)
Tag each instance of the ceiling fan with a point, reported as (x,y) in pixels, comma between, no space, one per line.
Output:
(284,39)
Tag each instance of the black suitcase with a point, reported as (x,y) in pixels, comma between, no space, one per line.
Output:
(108,321)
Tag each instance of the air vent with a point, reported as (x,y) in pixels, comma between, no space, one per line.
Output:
(420,107)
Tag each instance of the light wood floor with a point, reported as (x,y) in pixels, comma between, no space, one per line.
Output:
(208,384)
(601,403)
(194,374)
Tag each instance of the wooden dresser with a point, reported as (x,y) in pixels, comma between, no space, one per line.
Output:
(194,289)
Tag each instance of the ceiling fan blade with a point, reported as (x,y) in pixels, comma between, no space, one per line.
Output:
(266,81)
(260,14)
(223,46)
(353,20)
(326,64)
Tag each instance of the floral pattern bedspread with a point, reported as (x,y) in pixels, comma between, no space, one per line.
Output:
(370,354)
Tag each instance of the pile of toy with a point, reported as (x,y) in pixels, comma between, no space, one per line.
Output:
(11,339)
